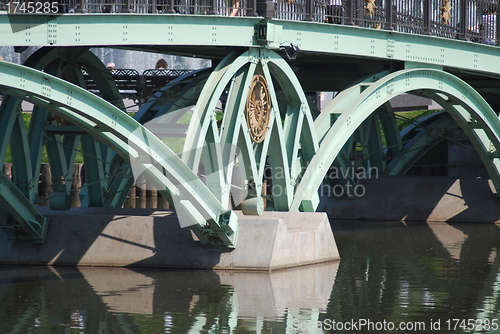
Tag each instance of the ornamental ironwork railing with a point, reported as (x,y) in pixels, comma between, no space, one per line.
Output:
(475,20)
(141,86)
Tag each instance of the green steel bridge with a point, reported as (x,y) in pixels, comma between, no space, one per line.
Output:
(249,111)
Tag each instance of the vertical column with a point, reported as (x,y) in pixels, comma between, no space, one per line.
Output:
(349,12)
(79,7)
(126,7)
(389,10)
(170,7)
(497,26)
(427,17)
(211,8)
(45,182)
(252,8)
(266,8)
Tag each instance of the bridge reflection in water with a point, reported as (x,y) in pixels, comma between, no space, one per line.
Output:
(389,271)
(373,51)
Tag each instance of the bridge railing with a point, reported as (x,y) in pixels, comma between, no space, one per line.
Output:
(475,20)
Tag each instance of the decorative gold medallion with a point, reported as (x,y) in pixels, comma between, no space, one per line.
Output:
(258,108)
(446,11)
(370,7)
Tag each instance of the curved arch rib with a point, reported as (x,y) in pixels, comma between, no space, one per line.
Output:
(472,109)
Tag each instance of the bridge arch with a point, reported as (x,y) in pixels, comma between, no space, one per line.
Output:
(290,140)
(289,145)
(465,105)
(298,147)
(109,125)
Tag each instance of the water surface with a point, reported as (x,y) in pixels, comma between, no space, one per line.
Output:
(421,276)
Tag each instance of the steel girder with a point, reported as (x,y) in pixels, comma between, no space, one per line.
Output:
(19,219)
(291,142)
(110,126)
(286,149)
(172,101)
(26,150)
(205,30)
(466,106)
(297,149)
(427,132)
(60,139)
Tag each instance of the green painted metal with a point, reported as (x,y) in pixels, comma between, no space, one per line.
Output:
(394,143)
(467,107)
(20,219)
(129,29)
(298,133)
(26,152)
(61,150)
(300,147)
(480,128)
(22,176)
(382,44)
(204,30)
(93,192)
(289,144)
(112,127)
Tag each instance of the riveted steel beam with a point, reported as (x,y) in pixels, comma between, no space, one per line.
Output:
(19,219)
(173,101)
(117,130)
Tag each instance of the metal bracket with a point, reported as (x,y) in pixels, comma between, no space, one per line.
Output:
(20,220)
(222,233)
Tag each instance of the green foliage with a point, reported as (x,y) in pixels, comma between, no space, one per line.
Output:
(175,144)
(219,115)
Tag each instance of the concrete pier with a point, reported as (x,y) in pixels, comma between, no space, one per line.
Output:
(151,238)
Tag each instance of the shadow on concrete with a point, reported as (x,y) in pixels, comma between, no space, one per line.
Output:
(177,247)
(410,198)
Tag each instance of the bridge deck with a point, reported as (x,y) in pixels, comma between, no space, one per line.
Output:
(363,43)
